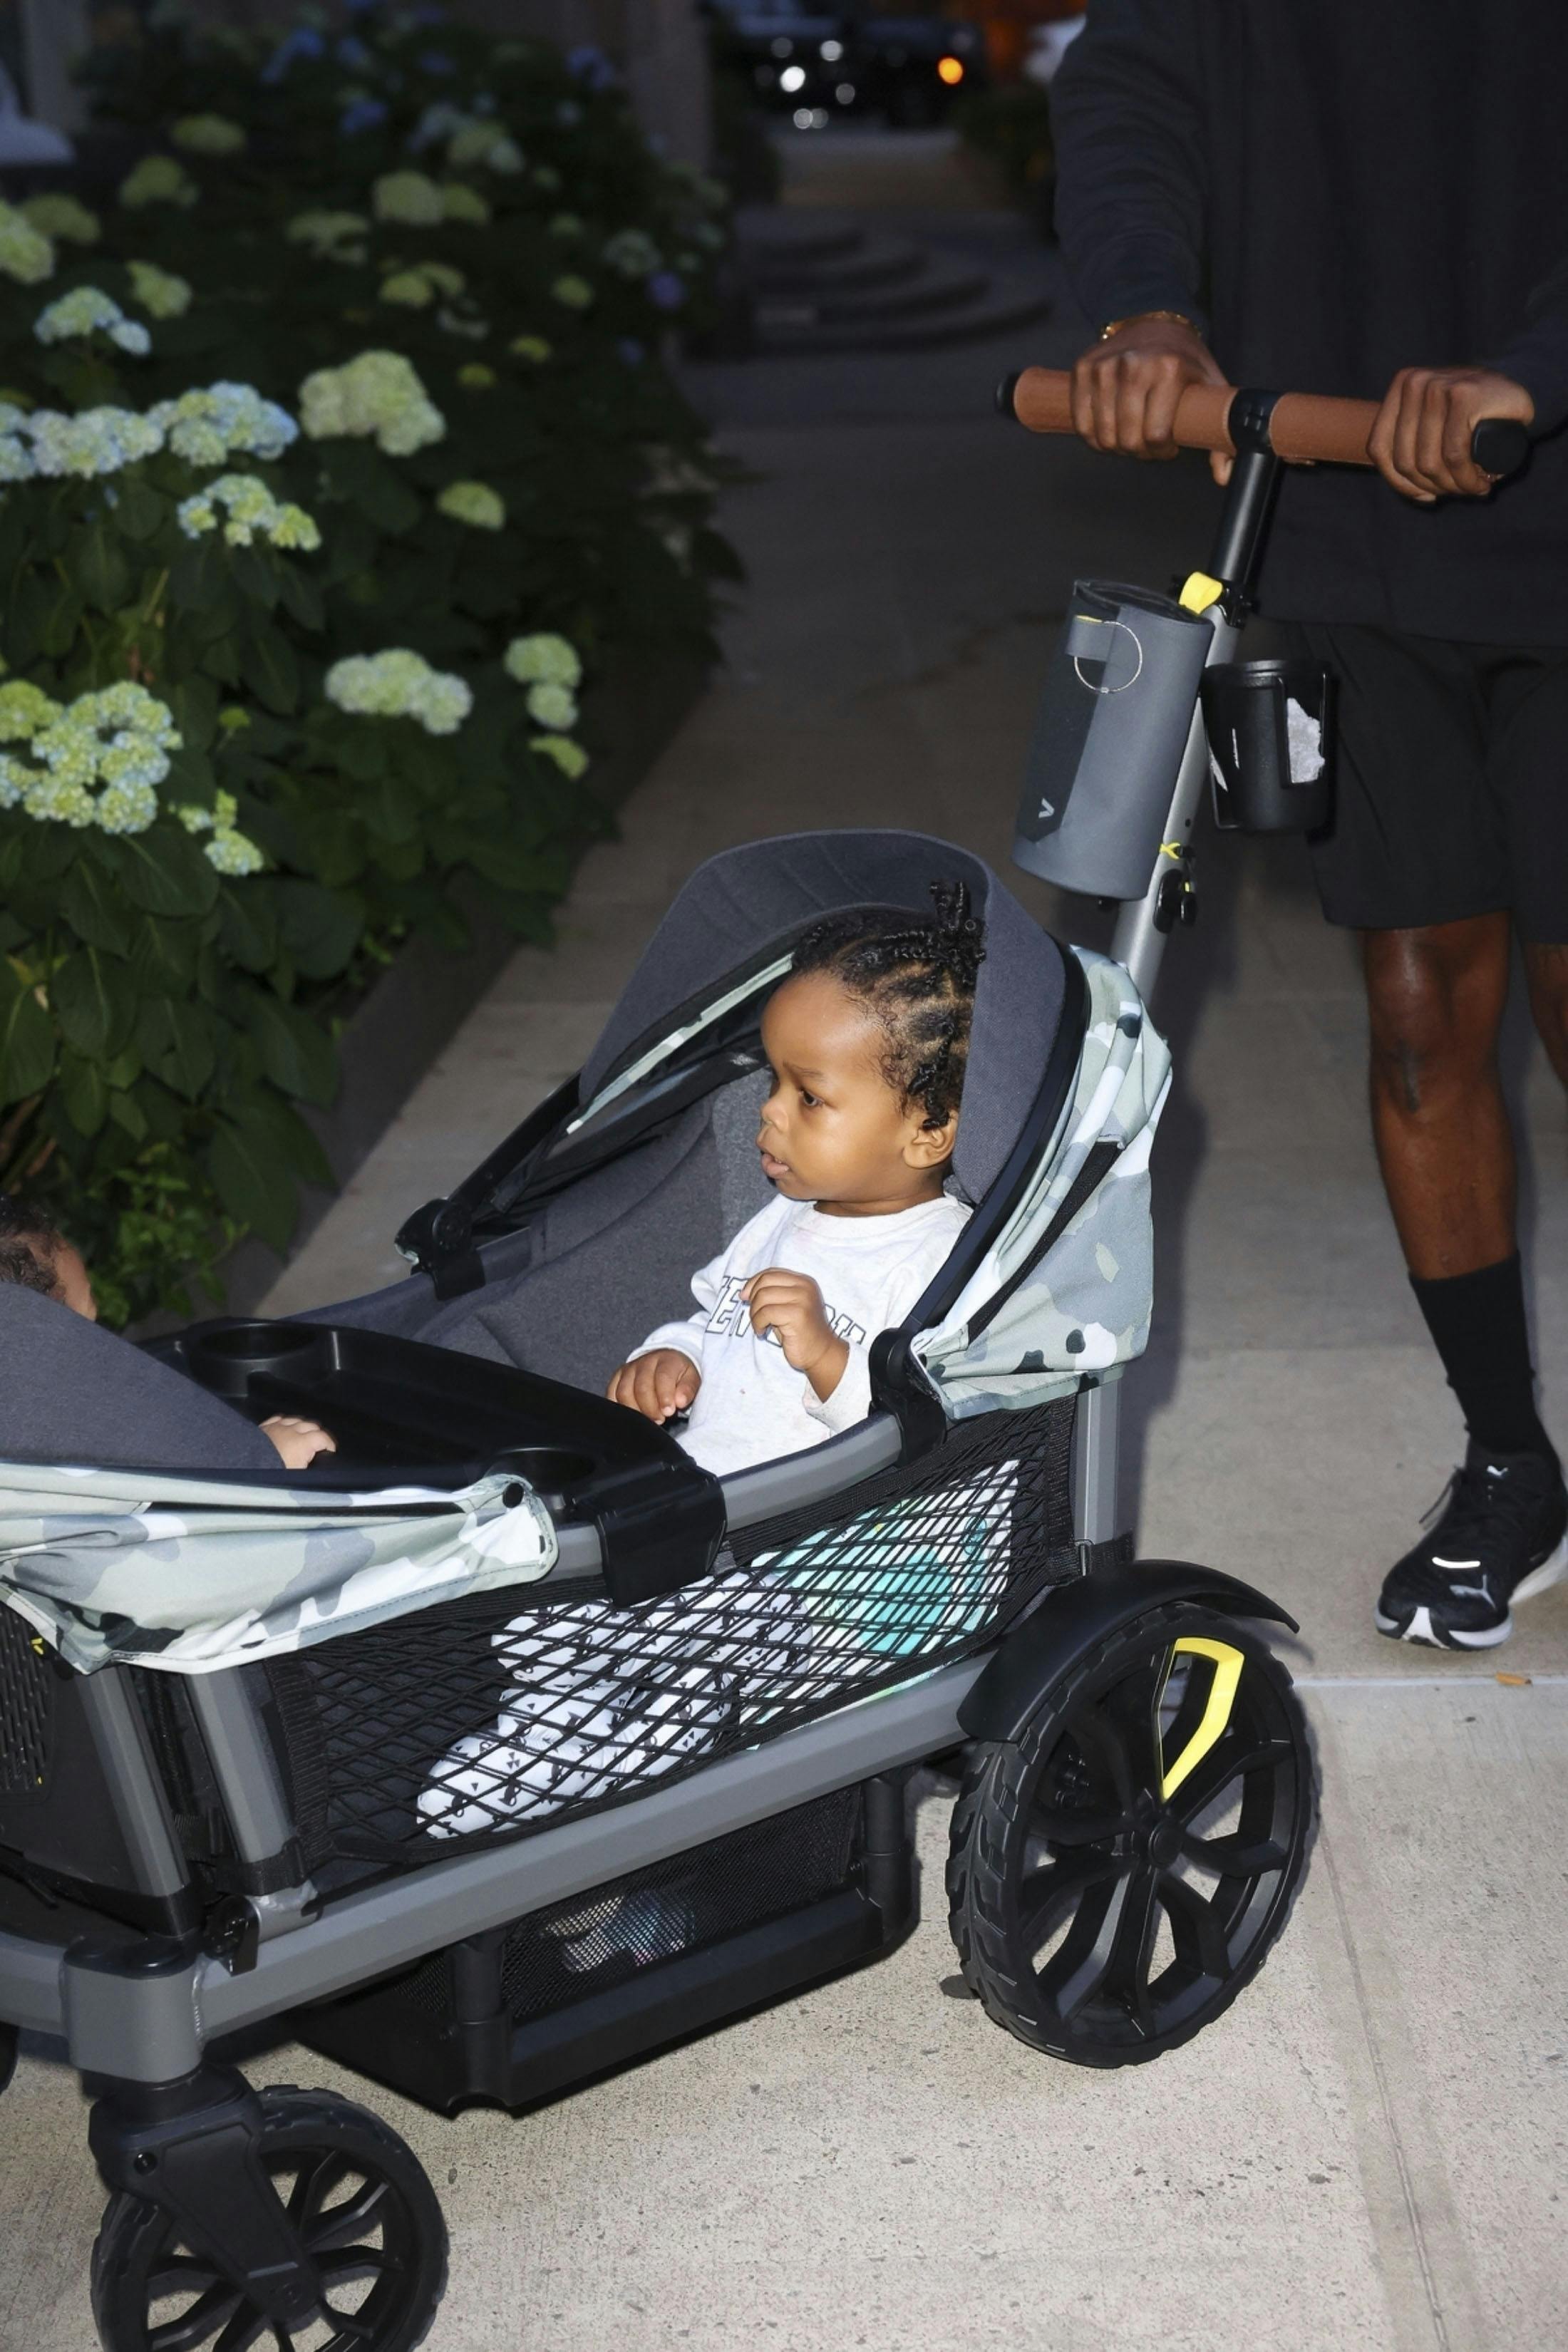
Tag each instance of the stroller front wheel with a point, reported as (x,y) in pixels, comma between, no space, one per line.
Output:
(360,2200)
(1118,1872)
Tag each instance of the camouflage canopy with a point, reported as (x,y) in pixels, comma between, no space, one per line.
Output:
(192,1574)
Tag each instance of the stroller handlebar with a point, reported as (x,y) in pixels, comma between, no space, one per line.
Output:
(1303,427)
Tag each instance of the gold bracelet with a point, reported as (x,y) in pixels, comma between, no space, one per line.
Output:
(1134,317)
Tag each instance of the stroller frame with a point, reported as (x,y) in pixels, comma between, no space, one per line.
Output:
(141,1992)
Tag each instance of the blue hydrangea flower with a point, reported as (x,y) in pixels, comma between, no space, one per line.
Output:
(435,62)
(364,114)
(589,65)
(631,351)
(304,41)
(666,291)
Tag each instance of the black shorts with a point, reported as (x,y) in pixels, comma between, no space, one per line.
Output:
(1451,784)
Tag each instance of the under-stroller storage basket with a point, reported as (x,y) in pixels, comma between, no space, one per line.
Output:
(517,2014)
(502,1714)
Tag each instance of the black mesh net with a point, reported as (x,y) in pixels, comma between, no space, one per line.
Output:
(492,1717)
(23,1708)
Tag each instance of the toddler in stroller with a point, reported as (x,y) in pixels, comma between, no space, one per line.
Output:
(253,1722)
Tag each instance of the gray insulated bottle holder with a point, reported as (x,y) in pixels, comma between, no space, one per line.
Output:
(1113,723)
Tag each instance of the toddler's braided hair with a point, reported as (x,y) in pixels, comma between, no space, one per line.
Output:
(27,1245)
(917,978)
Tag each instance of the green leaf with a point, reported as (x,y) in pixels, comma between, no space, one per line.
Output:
(140,511)
(164,959)
(99,564)
(176,1041)
(126,1112)
(84,1092)
(92,909)
(26,1039)
(321,929)
(194,702)
(165,872)
(93,999)
(296,1052)
(252,1178)
(220,660)
(269,666)
(190,777)
(247,928)
(302,595)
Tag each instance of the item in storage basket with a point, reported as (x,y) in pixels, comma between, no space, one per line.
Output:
(1271,733)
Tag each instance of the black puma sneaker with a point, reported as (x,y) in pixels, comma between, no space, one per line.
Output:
(1501,1538)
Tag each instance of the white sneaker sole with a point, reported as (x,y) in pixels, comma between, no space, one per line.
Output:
(1540,1579)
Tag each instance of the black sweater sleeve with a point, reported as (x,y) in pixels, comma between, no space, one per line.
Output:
(1537,357)
(1127,123)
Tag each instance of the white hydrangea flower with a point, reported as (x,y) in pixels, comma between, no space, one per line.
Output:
(14,781)
(207,134)
(460,203)
(97,441)
(54,799)
(532,346)
(69,750)
(484,141)
(159,292)
(632,253)
(126,808)
(554,707)
(24,709)
(251,509)
(377,394)
(474,503)
(409,197)
(330,236)
(62,219)
(399,684)
(158,180)
(223,421)
(569,757)
(88,310)
(132,762)
(26,254)
(573,293)
(15,459)
(233,853)
(440,120)
(543,659)
(408,288)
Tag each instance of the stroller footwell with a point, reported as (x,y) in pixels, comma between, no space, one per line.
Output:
(520,2014)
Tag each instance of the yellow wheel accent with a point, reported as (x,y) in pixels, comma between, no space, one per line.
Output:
(1227,1664)
(1200,592)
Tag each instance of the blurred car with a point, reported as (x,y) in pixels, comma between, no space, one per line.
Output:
(818,65)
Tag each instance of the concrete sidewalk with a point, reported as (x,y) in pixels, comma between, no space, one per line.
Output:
(1367,2150)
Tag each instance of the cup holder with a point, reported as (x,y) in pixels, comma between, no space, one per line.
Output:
(226,1357)
(550,1470)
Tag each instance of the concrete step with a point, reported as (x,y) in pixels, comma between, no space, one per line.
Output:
(936,288)
(986,314)
(878,261)
(769,238)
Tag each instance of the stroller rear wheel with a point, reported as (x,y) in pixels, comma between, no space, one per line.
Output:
(368,2215)
(7,2054)
(1120,1873)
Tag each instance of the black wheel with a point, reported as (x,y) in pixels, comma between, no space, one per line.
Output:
(366,2211)
(1118,1875)
(7,2054)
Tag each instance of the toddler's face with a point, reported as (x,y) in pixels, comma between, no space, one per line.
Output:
(832,1130)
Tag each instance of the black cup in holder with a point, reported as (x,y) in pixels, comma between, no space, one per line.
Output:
(550,1470)
(1272,744)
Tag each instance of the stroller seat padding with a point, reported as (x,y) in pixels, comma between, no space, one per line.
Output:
(72,1392)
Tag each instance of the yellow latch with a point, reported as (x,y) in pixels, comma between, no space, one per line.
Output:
(1200,592)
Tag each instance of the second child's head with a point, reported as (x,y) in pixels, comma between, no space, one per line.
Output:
(36,1255)
(867,1040)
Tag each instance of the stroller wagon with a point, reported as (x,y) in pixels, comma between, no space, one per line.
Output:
(507,1743)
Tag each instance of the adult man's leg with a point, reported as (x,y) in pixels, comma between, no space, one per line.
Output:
(1445,1148)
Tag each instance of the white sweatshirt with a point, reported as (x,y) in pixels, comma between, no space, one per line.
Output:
(752,1405)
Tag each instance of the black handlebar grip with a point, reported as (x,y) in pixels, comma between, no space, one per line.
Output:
(1499,445)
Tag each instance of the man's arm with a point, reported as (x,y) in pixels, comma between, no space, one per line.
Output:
(1130,170)
(1130,183)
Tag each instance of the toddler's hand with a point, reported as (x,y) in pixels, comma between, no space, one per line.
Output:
(297,1442)
(657,1385)
(790,1306)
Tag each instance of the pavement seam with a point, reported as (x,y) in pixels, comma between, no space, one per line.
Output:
(1432,2296)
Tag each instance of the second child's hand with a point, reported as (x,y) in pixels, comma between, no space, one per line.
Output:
(790,1306)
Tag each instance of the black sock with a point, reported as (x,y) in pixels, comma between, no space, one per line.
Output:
(1477,1321)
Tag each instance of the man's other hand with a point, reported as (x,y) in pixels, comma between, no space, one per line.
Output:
(1421,441)
(1125,388)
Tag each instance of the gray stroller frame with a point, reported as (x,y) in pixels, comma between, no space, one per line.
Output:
(1133,1760)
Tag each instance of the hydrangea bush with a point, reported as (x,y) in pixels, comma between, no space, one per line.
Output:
(336,453)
